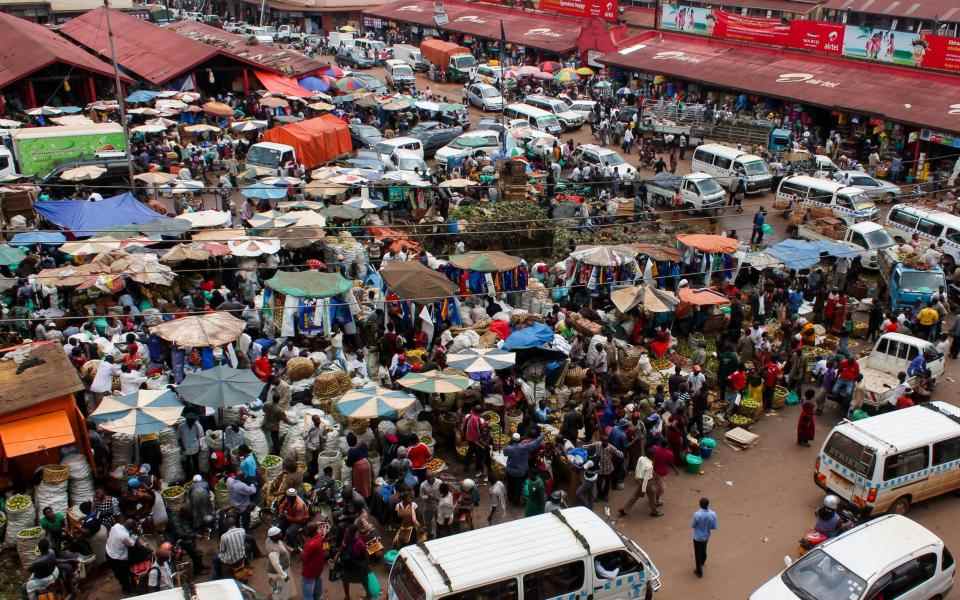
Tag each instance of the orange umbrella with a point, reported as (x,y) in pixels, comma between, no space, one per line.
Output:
(709,243)
(218,109)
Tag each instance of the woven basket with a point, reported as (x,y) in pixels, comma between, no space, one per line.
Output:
(299,367)
(631,358)
(575,377)
(780,397)
(331,384)
(174,496)
(56,473)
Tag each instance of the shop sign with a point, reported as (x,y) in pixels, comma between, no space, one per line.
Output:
(937,137)
(605,9)
(816,36)
(731,26)
(941,52)
(440,14)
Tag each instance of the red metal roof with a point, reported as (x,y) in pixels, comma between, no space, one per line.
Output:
(552,33)
(791,6)
(944,10)
(28,47)
(149,51)
(263,56)
(910,96)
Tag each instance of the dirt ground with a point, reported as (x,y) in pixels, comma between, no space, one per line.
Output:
(764,497)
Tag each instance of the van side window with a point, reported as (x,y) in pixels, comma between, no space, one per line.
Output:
(788,187)
(946,451)
(905,463)
(820,196)
(858,239)
(724,163)
(953,235)
(620,561)
(505,590)
(947,559)
(901,217)
(882,346)
(703,156)
(907,352)
(556,581)
(930,228)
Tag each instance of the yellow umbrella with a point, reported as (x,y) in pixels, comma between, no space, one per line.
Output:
(348,29)
(585,71)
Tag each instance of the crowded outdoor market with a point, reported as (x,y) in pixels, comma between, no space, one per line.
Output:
(468,301)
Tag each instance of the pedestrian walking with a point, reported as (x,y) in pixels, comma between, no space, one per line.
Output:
(703,523)
(759,220)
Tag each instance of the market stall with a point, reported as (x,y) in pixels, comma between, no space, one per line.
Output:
(308,302)
(486,272)
(706,254)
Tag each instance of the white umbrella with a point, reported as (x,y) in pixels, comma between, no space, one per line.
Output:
(280,181)
(254,246)
(347,179)
(84,173)
(271,218)
(165,123)
(170,104)
(307,218)
(188,97)
(186,186)
(408,177)
(201,128)
(10,123)
(324,173)
(206,218)
(154,128)
(365,203)
(247,126)
(146,111)
(322,96)
(44,111)
(73,120)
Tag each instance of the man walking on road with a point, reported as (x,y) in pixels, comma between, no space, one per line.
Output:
(704,521)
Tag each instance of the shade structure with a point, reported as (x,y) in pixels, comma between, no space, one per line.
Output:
(201,128)
(218,109)
(486,262)
(333,71)
(365,203)
(186,186)
(323,189)
(149,128)
(702,296)
(84,173)
(803,254)
(280,182)
(31,238)
(307,218)
(343,213)
(155,177)
(206,218)
(201,331)
(374,402)
(271,218)
(254,246)
(709,243)
(259,191)
(651,299)
(410,280)
(435,382)
(458,183)
(90,246)
(566,76)
(320,106)
(481,360)
(657,252)
(309,284)
(44,111)
(603,256)
(298,205)
(221,387)
(10,256)
(316,84)
(584,71)
(139,413)
(297,237)
(182,252)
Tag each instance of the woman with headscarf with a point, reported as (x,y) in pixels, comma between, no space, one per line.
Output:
(278,565)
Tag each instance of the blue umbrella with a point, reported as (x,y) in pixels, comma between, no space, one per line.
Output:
(139,413)
(29,238)
(141,96)
(221,387)
(315,84)
(373,403)
(70,110)
(258,191)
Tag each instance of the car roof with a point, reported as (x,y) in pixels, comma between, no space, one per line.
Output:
(482,84)
(480,133)
(904,428)
(597,149)
(927,213)
(879,544)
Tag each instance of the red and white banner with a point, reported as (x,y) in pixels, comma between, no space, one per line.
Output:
(817,36)
(605,9)
(940,52)
(760,30)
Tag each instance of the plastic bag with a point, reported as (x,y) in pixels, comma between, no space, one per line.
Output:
(373,585)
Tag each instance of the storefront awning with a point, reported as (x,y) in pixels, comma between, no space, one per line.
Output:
(35,434)
(900,94)
(278,84)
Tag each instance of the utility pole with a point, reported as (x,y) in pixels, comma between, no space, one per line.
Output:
(119,88)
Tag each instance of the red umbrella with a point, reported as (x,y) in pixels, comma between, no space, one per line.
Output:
(550,66)
(333,71)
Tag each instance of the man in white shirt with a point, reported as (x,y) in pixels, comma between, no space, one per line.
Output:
(130,380)
(498,501)
(119,542)
(103,380)
(643,473)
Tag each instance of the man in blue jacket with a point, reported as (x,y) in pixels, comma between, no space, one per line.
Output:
(518,455)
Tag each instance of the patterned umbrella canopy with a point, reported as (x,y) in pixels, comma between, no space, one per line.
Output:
(140,413)
(221,387)
(350,84)
(200,331)
(365,203)
(374,402)
(603,256)
(566,75)
(435,382)
(481,360)
(486,262)
(333,71)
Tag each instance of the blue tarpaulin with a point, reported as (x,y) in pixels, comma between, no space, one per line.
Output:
(84,218)
(803,254)
(535,336)
(29,238)
(141,96)
(314,84)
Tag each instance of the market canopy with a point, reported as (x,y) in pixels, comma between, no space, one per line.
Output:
(652,299)
(702,296)
(803,254)
(200,331)
(481,360)
(411,280)
(435,382)
(657,252)
(10,256)
(84,218)
(603,256)
(309,284)
(36,434)
(221,387)
(278,84)
(491,261)
(709,243)
(139,413)
(374,403)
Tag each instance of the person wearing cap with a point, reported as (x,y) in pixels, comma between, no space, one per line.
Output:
(293,514)
(278,565)
(137,502)
(587,490)
(518,455)
(160,575)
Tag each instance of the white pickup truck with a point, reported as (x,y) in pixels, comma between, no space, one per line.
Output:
(698,191)
(867,237)
(891,355)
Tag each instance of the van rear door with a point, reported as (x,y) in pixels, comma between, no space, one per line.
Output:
(847,467)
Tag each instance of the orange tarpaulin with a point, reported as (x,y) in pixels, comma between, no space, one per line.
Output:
(316,141)
(35,434)
(278,84)
(709,243)
(702,297)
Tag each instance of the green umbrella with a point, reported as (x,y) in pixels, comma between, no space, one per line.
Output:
(344,213)
(309,284)
(485,262)
(435,382)
(10,256)
(221,387)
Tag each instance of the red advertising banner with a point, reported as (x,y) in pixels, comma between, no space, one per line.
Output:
(605,9)
(941,52)
(816,36)
(749,29)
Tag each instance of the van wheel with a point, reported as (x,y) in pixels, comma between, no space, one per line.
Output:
(901,506)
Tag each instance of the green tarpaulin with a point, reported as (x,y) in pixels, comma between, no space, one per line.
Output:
(309,284)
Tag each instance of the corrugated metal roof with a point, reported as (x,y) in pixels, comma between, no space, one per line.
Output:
(945,10)
(28,47)
(149,51)
(264,56)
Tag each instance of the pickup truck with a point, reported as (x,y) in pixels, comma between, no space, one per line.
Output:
(867,237)
(434,135)
(698,191)
(285,33)
(891,354)
(910,286)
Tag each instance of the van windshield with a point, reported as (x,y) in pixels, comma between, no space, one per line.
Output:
(860,201)
(921,281)
(851,454)
(818,576)
(403,585)
(464,61)
(708,186)
(611,160)
(402,71)
(755,167)
(263,156)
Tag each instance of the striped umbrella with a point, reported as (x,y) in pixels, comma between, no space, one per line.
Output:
(350,84)
(566,76)
(435,382)
(374,402)
(550,66)
(481,360)
(333,71)
(140,413)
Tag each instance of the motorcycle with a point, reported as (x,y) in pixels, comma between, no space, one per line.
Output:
(813,538)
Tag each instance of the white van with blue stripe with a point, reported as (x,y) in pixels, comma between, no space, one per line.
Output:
(851,204)
(558,555)
(889,462)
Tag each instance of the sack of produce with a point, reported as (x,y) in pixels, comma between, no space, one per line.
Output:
(20,515)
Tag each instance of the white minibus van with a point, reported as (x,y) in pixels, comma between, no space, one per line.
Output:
(537,118)
(931,225)
(727,164)
(553,555)
(851,204)
(888,462)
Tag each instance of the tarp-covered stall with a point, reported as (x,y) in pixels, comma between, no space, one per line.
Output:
(84,218)
(316,141)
